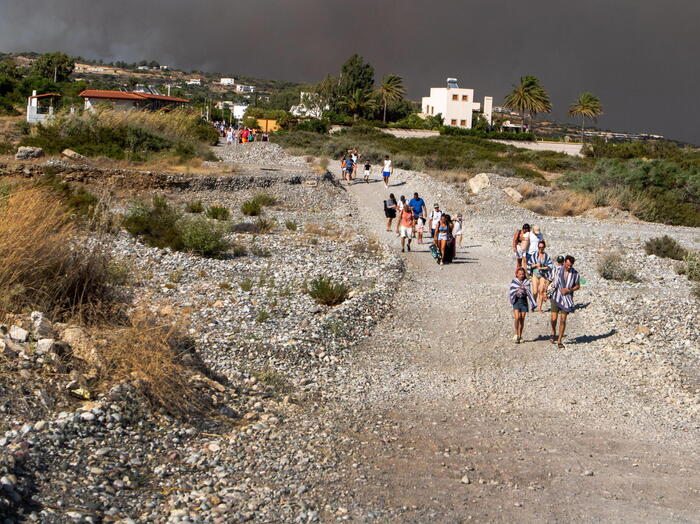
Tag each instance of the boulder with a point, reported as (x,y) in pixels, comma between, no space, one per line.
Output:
(514,195)
(479,182)
(41,326)
(81,345)
(69,153)
(18,334)
(45,345)
(26,153)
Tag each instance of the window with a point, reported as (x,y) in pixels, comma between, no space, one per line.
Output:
(465,98)
(462,122)
(432,109)
(455,97)
(454,122)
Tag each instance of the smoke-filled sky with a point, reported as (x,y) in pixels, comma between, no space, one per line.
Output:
(639,56)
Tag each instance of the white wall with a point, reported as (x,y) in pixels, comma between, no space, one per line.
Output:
(118,105)
(455,112)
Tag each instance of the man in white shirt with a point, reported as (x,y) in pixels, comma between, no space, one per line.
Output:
(388,170)
(434,219)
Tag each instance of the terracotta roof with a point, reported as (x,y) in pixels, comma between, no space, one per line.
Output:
(128,95)
(163,97)
(45,95)
(118,95)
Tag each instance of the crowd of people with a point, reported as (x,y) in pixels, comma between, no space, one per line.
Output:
(240,135)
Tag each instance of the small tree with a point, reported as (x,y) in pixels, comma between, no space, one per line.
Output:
(54,66)
(391,90)
(587,106)
(528,98)
(360,102)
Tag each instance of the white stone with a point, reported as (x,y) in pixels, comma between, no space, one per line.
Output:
(479,182)
(44,345)
(26,152)
(18,334)
(514,195)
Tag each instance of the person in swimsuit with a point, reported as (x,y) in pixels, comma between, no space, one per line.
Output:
(522,301)
(521,243)
(442,233)
(541,268)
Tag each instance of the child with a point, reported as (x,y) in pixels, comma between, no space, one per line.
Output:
(368,168)
(457,230)
(420,227)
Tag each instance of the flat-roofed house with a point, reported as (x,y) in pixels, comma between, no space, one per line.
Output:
(455,104)
(128,100)
(40,107)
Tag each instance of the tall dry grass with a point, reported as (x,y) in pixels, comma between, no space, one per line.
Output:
(559,203)
(44,265)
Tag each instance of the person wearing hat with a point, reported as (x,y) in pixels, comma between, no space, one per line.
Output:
(434,218)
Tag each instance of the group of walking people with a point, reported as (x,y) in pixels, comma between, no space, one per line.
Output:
(241,135)
(538,278)
(350,161)
(414,221)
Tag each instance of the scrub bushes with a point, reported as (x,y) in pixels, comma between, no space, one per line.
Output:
(327,292)
(665,247)
(611,267)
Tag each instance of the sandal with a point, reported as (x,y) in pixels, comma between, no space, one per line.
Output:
(553,339)
(560,345)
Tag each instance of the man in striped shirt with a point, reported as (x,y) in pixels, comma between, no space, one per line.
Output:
(566,281)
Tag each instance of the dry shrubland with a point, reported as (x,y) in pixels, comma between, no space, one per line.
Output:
(559,203)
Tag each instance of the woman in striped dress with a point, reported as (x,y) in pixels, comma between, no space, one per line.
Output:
(522,301)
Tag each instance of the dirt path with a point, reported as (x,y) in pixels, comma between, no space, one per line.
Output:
(459,423)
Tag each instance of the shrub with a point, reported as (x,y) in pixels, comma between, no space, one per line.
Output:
(251,208)
(325,291)
(202,237)
(264,199)
(262,316)
(696,291)
(156,224)
(264,225)
(244,227)
(218,213)
(195,207)
(45,267)
(665,247)
(6,148)
(260,251)
(692,266)
(246,284)
(611,267)
(239,250)
(290,225)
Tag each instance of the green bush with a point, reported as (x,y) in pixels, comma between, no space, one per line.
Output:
(239,250)
(202,237)
(611,267)
(195,207)
(262,316)
(692,266)
(260,251)
(246,285)
(218,213)
(156,224)
(7,149)
(314,125)
(290,225)
(665,247)
(251,208)
(325,291)
(696,291)
(264,199)
(264,225)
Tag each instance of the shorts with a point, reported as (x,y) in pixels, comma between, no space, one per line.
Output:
(521,305)
(455,233)
(405,232)
(390,213)
(442,236)
(555,308)
(386,174)
(367,173)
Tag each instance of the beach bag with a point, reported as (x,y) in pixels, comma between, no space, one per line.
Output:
(434,251)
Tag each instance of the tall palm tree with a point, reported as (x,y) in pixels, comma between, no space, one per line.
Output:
(359,102)
(528,98)
(392,89)
(587,106)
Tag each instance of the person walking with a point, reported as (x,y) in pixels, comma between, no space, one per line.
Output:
(441,236)
(349,167)
(229,136)
(533,241)
(522,301)
(388,170)
(521,243)
(566,281)
(402,204)
(406,228)
(368,169)
(418,206)
(390,207)
(457,231)
(420,227)
(541,268)
(434,218)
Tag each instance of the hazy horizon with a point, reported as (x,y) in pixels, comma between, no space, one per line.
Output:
(637,58)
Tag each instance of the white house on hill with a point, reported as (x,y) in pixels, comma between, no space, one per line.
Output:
(455,104)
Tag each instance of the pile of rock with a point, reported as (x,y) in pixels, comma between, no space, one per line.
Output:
(258,154)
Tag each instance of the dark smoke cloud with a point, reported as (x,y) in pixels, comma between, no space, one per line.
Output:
(639,57)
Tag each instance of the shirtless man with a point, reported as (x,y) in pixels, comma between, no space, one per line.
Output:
(521,243)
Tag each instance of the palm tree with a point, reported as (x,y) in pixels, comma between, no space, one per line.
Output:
(391,90)
(529,97)
(358,102)
(587,106)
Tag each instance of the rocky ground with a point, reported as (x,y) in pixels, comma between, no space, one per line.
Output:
(406,403)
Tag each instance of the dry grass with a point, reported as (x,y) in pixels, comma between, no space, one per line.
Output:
(44,267)
(330,231)
(528,190)
(559,203)
(153,355)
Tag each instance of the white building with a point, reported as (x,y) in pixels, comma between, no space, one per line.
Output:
(194,82)
(244,88)
(455,104)
(237,110)
(309,106)
(227,81)
(40,107)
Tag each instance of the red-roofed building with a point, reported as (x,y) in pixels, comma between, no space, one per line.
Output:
(127,100)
